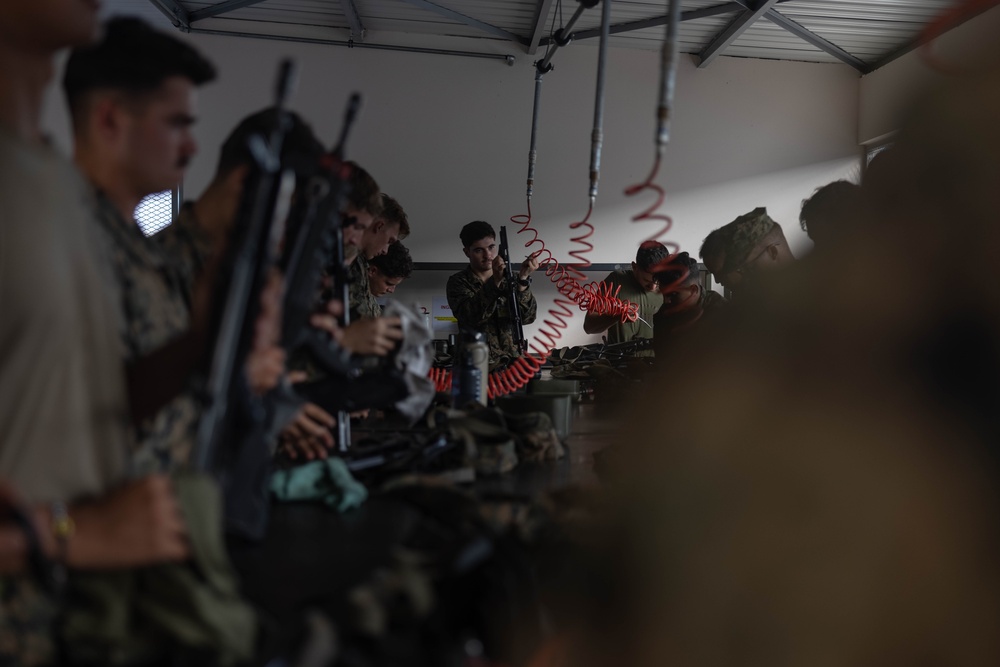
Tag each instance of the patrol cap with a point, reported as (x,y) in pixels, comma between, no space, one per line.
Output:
(746,232)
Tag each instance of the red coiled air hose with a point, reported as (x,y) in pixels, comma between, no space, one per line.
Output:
(595,297)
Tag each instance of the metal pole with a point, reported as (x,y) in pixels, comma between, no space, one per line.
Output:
(596,138)
(668,69)
(532,153)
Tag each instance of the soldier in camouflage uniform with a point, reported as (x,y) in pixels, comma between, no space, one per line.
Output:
(63,420)
(153,280)
(363,304)
(155,312)
(749,244)
(386,272)
(378,276)
(390,226)
(152,298)
(477,294)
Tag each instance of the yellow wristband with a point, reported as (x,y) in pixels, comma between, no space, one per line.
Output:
(62,528)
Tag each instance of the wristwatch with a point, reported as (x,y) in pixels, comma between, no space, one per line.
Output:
(524,282)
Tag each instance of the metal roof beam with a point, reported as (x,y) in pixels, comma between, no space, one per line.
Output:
(221,8)
(807,35)
(467,20)
(691,15)
(174,12)
(732,32)
(507,58)
(541,16)
(817,41)
(747,4)
(918,41)
(898,52)
(353,20)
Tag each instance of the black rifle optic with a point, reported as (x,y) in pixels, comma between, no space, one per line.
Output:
(516,325)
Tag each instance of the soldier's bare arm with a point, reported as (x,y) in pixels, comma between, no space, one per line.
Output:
(139,524)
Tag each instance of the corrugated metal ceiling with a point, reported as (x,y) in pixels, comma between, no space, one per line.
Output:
(857,32)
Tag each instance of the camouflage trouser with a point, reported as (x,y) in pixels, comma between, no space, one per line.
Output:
(27,618)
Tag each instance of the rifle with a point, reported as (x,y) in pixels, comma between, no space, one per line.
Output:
(231,409)
(231,442)
(318,244)
(516,325)
(314,242)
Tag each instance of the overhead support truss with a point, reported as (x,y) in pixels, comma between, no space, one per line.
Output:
(817,41)
(353,20)
(732,32)
(221,8)
(183,19)
(538,27)
(468,20)
(747,13)
(704,12)
(174,12)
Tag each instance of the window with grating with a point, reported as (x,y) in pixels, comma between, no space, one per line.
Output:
(155,212)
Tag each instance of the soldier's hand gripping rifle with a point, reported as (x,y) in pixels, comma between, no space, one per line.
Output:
(232,412)
(516,325)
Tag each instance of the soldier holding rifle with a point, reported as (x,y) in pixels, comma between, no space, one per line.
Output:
(481,297)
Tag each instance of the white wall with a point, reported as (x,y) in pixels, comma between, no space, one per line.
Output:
(448,137)
(885,92)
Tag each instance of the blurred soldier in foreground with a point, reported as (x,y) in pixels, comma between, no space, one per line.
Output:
(843,510)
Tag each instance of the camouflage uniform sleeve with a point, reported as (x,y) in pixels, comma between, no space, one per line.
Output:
(528,306)
(471,303)
(363,304)
(371,307)
(186,245)
(112,269)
